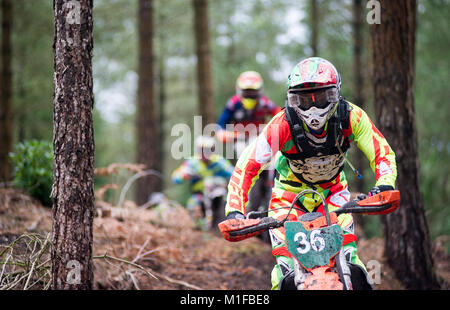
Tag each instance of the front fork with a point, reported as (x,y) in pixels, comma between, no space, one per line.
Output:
(343,270)
(300,275)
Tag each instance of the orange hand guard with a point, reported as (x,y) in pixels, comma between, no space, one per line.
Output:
(231,225)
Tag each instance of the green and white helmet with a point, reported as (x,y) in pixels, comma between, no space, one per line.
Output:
(313,91)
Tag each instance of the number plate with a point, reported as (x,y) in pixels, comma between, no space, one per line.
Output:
(315,247)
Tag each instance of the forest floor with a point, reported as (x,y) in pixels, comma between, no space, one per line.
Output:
(158,249)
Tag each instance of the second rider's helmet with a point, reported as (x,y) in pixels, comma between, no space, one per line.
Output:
(249,87)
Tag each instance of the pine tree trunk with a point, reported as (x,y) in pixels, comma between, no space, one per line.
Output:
(204,78)
(358,77)
(147,133)
(406,231)
(161,94)
(73,142)
(358,92)
(6,120)
(314,28)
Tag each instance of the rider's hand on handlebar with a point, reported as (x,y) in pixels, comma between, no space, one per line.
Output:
(236,221)
(380,188)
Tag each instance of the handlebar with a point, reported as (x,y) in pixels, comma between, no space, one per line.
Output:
(382,203)
(265,224)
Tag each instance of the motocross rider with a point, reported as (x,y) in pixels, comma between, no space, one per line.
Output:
(251,109)
(247,106)
(309,139)
(195,169)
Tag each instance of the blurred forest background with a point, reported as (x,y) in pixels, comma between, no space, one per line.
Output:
(268,36)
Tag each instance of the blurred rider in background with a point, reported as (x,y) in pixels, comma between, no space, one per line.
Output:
(247,106)
(203,165)
(249,110)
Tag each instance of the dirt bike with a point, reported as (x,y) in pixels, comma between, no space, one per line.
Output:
(215,192)
(315,241)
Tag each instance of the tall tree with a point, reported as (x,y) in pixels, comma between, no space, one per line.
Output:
(73,142)
(161,93)
(32,37)
(147,132)
(203,50)
(406,231)
(358,76)
(358,86)
(6,121)
(314,28)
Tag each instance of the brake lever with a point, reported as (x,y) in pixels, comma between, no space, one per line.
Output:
(258,213)
(247,216)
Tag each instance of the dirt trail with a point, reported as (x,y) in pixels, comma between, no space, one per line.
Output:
(163,241)
(181,257)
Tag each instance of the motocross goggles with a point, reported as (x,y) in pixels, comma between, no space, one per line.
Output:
(250,93)
(319,98)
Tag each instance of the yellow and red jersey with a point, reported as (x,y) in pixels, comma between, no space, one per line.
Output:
(276,140)
(235,113)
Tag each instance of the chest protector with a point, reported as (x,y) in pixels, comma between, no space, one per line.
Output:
(319,160)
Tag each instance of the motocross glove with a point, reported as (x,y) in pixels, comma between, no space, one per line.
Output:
(380,188)
(236,221)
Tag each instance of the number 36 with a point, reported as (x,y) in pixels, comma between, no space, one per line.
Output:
(316,242)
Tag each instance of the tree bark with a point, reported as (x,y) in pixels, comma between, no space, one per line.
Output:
(6,118)
(147,133)
(314,28)
(358,76)
(406,231)
(204,77)
(161,94)
(358,91)
(73,142)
